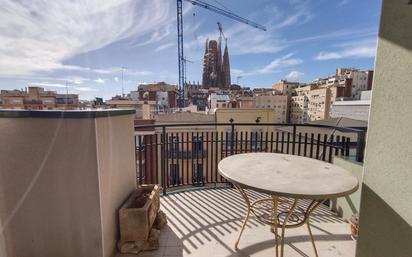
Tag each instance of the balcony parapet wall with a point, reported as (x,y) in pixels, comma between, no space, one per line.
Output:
(64,174)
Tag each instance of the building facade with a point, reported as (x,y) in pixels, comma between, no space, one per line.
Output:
(284,87)
(279,104)
(356,109)
(361,80)
(299,109)
(319,104)
(165,95)
(36,98)
(218,101)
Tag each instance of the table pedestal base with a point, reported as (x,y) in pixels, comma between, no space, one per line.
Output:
(283,213)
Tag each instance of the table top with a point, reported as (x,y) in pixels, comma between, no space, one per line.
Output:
(288,175)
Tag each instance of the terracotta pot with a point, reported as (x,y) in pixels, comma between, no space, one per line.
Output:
(354,226)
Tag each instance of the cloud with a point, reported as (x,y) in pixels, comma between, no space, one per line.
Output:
(108,70)
(157,35)
(352,50)
(41,37)
(339,34)
(300,14)
(47,84)
(279,63)
(118,70)
(99,80)
(76,80)
(69,86)
(84,89)
(295,75)
(343,2)
(164,46)
(274,66)
(242,39)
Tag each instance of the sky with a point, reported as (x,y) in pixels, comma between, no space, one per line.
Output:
(86,46)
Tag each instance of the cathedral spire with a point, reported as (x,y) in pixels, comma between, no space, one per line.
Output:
(226,68)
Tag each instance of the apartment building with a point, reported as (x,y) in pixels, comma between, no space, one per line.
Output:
(361,80)
(248,137)
(319,103)
(187,147)
(36,98)
(164,94)
(356,109)
(284,87)
(245,102)
(144,109)
(279,104)
(217,100)
(298,107)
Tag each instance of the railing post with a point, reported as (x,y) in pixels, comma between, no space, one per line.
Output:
(293,140)
(140,161)
(360,146)
(163,160)
(136,158)
(232,137)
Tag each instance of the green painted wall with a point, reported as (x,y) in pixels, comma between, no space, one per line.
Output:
(346,206)
(386,202)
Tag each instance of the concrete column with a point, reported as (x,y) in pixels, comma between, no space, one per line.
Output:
(386,210)
(63,175)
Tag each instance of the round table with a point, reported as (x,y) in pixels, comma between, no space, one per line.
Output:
(291,177)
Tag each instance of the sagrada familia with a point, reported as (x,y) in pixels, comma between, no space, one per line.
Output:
(216,72)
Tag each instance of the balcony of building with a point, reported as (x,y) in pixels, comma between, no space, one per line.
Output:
(86,164)
(184,155)
(64,174)
(206,223)
(205,213)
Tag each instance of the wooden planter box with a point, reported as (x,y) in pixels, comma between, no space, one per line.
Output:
(137,214)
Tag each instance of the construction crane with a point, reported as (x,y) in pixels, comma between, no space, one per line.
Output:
(181,59)
(219,26)
(185,61)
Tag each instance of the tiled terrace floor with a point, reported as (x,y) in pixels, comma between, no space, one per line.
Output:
(207,222)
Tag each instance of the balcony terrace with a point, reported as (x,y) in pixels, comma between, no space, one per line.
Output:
(64,174)
(184,155)
(207,222)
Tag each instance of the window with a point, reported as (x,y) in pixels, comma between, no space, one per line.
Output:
(197,143)
(197,173)
(256,139)
(173,145)
(174,176)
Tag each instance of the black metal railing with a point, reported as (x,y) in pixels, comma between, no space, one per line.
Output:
(185,155)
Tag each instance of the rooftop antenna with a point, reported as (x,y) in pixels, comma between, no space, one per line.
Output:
(67,94)
(237,79)
(123,68)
